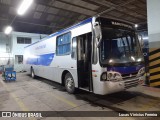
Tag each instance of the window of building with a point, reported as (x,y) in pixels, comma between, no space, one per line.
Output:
(64,44)
(23,40)
(19,59)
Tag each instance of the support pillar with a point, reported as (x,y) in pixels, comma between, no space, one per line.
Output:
(153,8)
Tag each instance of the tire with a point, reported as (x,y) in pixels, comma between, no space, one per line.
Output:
(32,73)
(69,83)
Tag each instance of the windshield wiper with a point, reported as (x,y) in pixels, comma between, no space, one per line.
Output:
(123,45)
(98,33)
(128,45)
(132,44)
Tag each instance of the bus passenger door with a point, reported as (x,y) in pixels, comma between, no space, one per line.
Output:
(83,56)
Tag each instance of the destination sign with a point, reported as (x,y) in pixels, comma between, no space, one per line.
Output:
(121,24)
(106,21)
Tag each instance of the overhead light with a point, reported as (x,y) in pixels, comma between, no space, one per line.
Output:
(136,25)
(8,30)
(24,6)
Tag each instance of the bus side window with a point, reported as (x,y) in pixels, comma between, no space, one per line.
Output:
(74,48)
(63,44)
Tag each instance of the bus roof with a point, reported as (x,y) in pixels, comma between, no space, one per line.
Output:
(63,30)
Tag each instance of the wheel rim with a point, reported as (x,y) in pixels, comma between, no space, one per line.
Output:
(70,84)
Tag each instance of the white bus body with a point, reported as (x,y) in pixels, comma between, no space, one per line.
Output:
(73,54)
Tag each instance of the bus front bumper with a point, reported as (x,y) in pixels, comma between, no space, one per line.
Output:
(108,87)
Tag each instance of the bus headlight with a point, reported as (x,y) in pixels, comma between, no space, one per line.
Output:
(141,71)
(114,76)
(104,76)
(110,76)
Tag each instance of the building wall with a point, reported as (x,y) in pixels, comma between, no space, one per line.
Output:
(5,45)
(153,23)
(9,47)
(18,49)
(154,41)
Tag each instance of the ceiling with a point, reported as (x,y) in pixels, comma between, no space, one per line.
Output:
(48,16)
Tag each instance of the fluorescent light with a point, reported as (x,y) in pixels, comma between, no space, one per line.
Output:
(8,30)
(136,25)
(24,6)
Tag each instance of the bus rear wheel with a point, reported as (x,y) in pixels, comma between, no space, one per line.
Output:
(69,83)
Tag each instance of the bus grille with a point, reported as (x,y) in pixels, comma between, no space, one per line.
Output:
(131,83)
(130,80)
(128,76)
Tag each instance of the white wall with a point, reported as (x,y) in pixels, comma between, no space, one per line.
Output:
(5,45)
(18,49)
(9,47)
(153,8)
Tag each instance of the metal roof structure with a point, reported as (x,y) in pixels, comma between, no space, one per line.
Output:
(48,16)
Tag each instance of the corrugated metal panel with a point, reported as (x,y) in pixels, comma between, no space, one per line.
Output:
(81,17)
(7,2)
(41,8)
(37,15)
(52,10)
(50,18)
(83,4)
(12,11)
(73,8)
(67,14)
(115,13)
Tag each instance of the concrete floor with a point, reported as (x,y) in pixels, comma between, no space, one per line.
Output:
(27,94)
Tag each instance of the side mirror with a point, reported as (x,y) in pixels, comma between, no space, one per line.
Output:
(98,33)
(141,41)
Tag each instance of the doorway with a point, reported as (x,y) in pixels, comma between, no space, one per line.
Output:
(84,50)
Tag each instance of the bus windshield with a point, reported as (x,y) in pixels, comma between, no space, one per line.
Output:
(119,47)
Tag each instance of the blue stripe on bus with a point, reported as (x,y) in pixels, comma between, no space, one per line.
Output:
(125,70)
(64,30)
(44,60)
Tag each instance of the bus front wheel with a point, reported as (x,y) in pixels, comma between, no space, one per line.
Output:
(69,83)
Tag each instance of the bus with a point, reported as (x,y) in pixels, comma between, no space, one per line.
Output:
(99,55)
